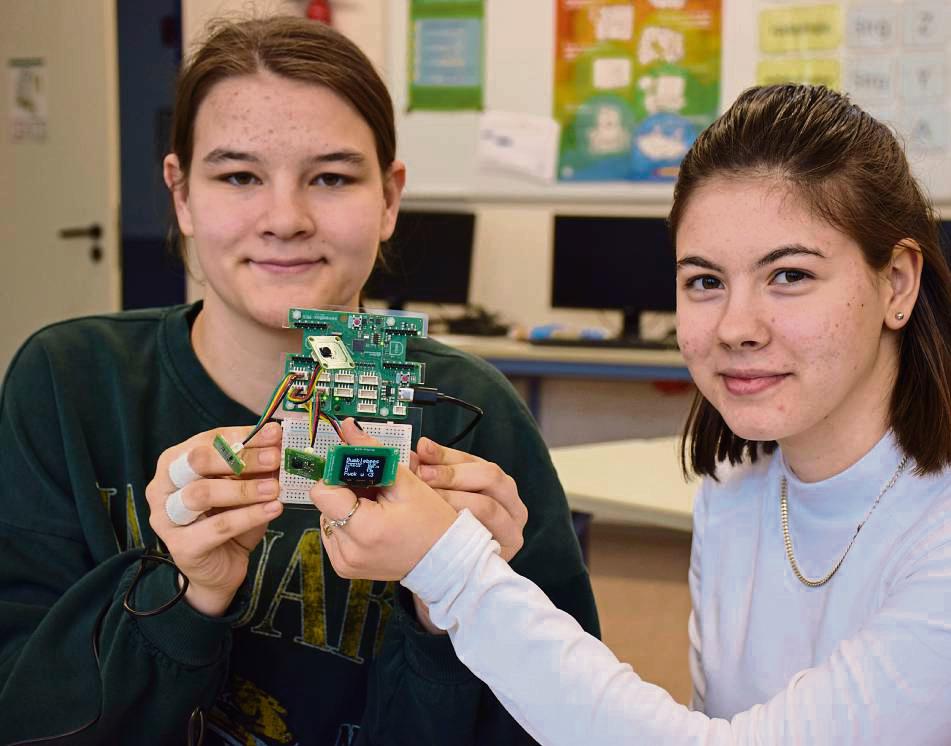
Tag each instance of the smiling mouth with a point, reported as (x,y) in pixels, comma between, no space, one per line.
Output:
(285,267)
(745,384)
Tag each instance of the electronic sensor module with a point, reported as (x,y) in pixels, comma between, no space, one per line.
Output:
(361,358)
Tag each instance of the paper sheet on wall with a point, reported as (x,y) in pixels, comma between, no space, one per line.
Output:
(892,57)
(27,104)
(446,54)
(520,143)
(635,82)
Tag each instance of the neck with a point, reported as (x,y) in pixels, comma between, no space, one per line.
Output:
(816,458)
(845,436)
(243,357)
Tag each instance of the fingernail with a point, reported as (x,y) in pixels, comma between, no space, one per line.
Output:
(267,487)
(270,458)
(426,473)
(272,507)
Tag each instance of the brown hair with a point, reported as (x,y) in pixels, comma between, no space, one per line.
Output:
(848,169)
(294,48)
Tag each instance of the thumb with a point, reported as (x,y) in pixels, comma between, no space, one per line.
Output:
(355,436)
(333,502)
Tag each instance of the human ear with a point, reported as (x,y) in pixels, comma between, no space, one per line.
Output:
(904,280)
(177,184)
(393,182)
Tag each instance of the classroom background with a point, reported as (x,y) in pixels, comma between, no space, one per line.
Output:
(540,253)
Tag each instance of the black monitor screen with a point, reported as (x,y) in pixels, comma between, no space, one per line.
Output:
(430,256)
(362,469)
(618,263)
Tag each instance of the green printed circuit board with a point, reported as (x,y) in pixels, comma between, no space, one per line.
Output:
(362,358)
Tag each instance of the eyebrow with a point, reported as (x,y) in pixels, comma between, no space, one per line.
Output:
(220,155)
(775,255)
(782,252)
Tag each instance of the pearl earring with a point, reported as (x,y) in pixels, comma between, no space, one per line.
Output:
(900,315)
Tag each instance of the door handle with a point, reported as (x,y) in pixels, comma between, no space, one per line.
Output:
(93,231)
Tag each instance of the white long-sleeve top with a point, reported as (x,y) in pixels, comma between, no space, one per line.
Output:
(864,659)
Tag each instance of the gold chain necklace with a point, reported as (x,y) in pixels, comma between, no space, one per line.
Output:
(790,555)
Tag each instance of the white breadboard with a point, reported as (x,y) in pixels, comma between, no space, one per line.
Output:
(295,489)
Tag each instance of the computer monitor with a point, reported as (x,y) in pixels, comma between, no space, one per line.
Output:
(429,260)
(621,263)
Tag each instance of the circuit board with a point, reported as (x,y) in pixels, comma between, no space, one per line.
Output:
(295,489)
(362,358)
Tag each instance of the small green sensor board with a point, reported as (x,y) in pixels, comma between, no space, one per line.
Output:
(361,466)
(229,454)
(304,463)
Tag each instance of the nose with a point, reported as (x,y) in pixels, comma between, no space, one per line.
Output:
(287,214)
(741,324)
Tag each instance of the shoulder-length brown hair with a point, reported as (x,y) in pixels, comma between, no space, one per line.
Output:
(848,169)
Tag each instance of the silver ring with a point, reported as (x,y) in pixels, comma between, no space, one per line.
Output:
(331,523)
(177,512)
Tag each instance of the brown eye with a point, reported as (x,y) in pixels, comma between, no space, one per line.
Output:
(240,178)
(704,282)
(332,180)
(789,276)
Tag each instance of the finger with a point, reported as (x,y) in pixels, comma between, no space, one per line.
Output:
(504,528)
(488,511)
(405,487)
(196,457)
(339,548)
(482,476)
(206,535)
(413,462)
(430,452)
(355,436)
(206,494)
(258,459)
(332,502)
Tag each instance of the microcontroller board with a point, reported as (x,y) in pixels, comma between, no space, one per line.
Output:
(362,359)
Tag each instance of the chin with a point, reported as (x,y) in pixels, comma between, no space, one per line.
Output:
(759,427)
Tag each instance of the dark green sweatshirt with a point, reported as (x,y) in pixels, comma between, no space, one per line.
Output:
(303,656)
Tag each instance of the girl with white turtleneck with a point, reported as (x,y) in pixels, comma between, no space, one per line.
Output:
(814,313)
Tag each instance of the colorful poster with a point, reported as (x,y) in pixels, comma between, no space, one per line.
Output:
(635,83)
(446,54)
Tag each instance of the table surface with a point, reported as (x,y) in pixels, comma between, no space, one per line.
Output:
(628,481)
(503,348)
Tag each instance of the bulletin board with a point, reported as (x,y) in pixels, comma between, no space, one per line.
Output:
(892,56)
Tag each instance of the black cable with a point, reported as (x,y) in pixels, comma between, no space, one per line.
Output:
(127,599)
(97,627)
(440,398)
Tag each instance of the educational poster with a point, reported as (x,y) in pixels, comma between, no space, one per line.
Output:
(27,105)
(446,54)
(891,56)
(635,83)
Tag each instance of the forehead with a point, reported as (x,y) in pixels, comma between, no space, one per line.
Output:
(742,219)
(268,112)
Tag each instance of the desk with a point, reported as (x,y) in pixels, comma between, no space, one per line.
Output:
(536,362)
(517,358)
(628,481)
